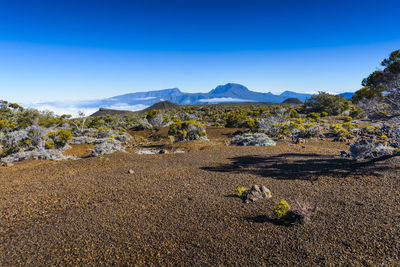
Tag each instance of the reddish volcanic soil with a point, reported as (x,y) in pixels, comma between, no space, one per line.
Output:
(180,209)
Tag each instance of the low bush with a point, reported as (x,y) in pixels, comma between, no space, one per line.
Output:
(281,208)
(188,130)
(325,102)
(60,138)
(291,217)
(241,191)
(313,116)
(339,131)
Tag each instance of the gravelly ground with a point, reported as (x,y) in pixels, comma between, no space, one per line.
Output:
(179,209)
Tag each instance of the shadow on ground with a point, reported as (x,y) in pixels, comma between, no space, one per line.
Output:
(264,219)
(304,166)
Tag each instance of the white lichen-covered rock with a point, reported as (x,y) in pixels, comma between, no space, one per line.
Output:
(33,142)
(256,193)
(157,120)
(105,141)
(95,137)
(364,150)
(78,140)
(42,154)
(146,152)
(269,125)
(106,148)
(143,125)
(255,139)
(34,133)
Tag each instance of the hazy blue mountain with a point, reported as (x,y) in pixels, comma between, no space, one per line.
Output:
(230,92)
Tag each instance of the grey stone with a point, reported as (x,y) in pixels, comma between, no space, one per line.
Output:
(256,193)
(256,139)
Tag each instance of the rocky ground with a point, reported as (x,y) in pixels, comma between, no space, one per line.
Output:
(181,208)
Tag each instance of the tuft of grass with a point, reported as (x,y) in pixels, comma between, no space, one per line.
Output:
(241,191)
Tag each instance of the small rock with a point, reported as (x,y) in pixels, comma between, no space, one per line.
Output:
(265,192)
(301,141)
(162,151)
(131,171)
(7,164)
(145,152)
(255,188)
(256,193)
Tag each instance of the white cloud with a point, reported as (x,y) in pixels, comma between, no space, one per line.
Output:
(316,93)
(124,106)
(74,109)
(145,98)
(136,99)
(59,110)
(224,99)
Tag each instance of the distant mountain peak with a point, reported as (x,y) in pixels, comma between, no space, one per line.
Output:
(229,87)
(170,90)
(230,92)
(174,90)
(291,94)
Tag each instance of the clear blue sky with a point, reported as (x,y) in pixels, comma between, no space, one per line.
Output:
(82,49)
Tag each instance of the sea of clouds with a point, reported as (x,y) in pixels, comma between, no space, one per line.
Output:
(73,108)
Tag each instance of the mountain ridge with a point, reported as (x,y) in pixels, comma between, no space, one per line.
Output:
(230,92)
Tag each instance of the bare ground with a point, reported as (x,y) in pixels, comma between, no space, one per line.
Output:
(180,209)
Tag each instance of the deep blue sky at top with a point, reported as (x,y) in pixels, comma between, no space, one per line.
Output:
(71,49)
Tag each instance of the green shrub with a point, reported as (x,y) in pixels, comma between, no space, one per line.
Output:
(281,208)
(313,116)
(339,131)
(355,112)
(27,118)
(49,144)
(370,128)
(64,135)
(324,102)
(350,126)
(293,113)
(61,137)
(249,123)
(187,130)
(25,143)
(241,191)
(348,119)
(153,113)
(5,151)
(236,119)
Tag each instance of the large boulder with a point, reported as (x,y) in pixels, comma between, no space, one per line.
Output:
(143,125)
(365,149)
(252,139)
(106,148)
